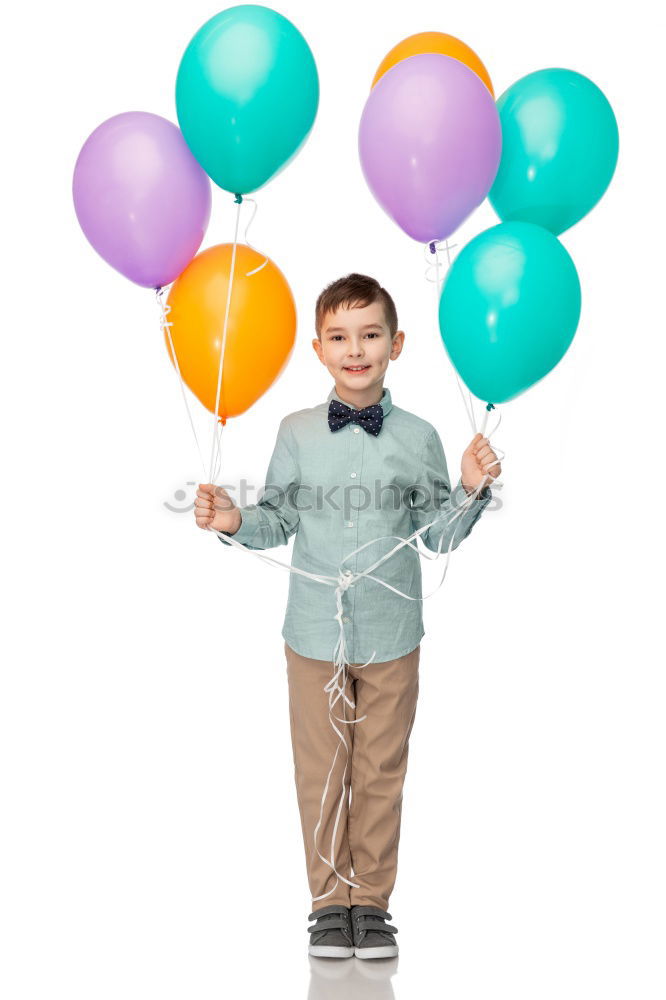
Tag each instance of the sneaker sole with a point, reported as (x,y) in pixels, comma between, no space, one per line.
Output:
(330,951)
(387,951)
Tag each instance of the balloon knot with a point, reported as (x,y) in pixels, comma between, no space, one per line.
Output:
(238,199)
(432,247)
(490,406)
(223,421)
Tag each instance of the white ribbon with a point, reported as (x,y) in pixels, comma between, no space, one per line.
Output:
(166,324)
(335,688)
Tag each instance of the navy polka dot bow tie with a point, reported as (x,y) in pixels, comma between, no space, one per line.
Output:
(369,418)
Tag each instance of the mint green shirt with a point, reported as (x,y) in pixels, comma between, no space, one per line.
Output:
(336,490)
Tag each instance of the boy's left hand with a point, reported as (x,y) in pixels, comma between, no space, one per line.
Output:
(477,457)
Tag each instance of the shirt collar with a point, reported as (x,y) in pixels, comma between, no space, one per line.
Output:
(385,401)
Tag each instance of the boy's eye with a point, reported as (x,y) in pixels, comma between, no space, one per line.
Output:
(338,335)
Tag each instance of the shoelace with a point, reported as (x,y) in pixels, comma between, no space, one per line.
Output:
(332,920)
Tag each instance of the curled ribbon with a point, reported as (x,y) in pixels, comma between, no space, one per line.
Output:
(335,688)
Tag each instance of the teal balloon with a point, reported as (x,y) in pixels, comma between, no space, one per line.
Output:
(559,149)
(509,309)
(247,94)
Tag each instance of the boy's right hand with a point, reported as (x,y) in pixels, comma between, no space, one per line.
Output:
(214,509)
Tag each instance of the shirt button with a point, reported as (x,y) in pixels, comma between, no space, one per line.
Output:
(346,620)
(349,524)
(353,475)
(356,430)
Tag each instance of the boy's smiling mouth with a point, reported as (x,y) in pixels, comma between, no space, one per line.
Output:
(356,369)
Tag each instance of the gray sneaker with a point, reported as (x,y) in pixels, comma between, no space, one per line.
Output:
(331,936)
(373,937)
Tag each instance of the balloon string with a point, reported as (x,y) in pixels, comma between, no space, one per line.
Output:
(254,212)
(216,442)
(218,460)
(433,248)
(219,429)
(336,687)
(165,326)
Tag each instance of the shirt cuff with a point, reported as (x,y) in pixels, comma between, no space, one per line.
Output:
(248,527)
(460,495)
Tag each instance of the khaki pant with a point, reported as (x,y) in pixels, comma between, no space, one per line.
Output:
(368,833)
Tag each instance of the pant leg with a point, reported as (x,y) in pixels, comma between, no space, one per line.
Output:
(314,744)
(387,693)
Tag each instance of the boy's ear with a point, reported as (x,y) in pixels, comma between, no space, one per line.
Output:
(397,343)
(316,343)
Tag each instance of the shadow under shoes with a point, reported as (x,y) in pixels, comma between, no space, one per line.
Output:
(331,936)
(373,937)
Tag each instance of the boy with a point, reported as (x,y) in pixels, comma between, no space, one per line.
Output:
(357,440)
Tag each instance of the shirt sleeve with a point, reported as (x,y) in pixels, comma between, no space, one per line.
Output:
(432,494)
(274,519)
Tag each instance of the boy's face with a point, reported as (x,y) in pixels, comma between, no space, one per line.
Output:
(357,338)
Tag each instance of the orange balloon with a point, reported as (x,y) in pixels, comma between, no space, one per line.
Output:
(261,329)
(437,42)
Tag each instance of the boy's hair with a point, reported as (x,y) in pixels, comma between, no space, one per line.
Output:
(355,290)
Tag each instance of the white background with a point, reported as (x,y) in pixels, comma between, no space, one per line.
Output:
(151,845)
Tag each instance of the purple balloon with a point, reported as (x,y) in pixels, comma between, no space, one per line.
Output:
(430,142)
(141,198)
